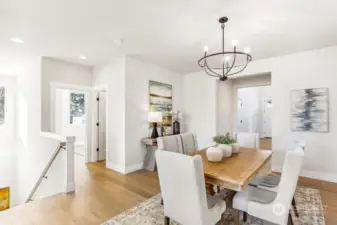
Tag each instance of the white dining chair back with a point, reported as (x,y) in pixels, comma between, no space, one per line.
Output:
(170,143)
(182,185)
(290,173)
(189,142)
(278,210)
(248,140)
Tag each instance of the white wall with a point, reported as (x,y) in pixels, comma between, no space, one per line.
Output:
(59,72)
(138,75)
(200,106)
(224,105)
(113,75)
(7,137)
(309,69)
(28,126)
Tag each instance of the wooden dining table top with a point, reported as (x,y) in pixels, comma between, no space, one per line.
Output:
(237,171)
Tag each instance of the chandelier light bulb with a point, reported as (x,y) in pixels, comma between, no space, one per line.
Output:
(234,42)
(227,58)
(206,48)
(247,50)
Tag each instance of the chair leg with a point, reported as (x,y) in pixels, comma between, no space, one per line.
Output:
(244,216)
(236,217)
(290,220)
(295,208)
(167,220)
(162,201)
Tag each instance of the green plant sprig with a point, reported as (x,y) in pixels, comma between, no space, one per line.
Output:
(224,139)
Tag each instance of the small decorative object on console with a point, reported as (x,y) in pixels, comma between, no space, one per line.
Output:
(155,117)
(176,125)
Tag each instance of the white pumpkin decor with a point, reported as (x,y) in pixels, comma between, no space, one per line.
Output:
(214,154)
(226,150)
(226,143)
(235,147)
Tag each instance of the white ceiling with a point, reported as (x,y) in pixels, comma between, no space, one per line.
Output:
(170,33)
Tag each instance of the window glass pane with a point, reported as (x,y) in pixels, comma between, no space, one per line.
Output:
(2,105)
(77,108)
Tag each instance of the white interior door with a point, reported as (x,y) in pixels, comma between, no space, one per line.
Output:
(102,126)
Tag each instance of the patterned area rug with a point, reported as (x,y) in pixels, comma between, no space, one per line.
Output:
(150,212)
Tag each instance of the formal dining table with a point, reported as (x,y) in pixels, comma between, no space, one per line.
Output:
(236,172)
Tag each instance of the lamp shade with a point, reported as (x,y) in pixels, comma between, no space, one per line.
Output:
(155,117)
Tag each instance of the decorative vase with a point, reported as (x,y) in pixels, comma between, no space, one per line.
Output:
(226,150)
(235,147)
(214,154)
(176,127)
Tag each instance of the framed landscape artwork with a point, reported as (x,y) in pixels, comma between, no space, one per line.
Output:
(160,98)
(310,110)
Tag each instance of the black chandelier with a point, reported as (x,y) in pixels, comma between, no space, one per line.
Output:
(229,65)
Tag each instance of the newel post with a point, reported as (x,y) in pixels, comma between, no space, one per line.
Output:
(70,165)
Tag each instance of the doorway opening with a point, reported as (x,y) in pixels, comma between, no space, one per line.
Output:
(70,117)
(254,113)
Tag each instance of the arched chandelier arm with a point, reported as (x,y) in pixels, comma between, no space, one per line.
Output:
(239,70)
(210,70)
(208,73)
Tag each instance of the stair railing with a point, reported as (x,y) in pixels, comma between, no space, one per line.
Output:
(68,146)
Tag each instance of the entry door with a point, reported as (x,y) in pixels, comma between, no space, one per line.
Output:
(102,126)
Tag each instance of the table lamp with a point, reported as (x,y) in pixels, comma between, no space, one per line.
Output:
(155,117)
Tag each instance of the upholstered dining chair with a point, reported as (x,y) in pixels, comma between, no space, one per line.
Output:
(182,185)
(271,182)
(170,143)
(248,140)
(268,205)
(189,142)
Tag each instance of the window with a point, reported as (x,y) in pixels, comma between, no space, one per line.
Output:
(77,111)
(2,105)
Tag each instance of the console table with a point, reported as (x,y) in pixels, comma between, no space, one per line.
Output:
(150,159)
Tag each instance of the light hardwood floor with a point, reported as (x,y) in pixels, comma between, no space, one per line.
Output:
(266,143)
(102,194)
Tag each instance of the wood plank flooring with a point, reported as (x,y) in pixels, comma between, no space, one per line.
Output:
(266,143)
(102,194)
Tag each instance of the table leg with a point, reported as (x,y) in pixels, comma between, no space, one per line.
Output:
(236,217)
(210,189)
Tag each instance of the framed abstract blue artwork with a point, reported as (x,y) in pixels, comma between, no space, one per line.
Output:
(310,110)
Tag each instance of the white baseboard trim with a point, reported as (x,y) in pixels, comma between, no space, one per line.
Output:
(313,175)
(70,187)
(124,170)
(134,168)
(115,167)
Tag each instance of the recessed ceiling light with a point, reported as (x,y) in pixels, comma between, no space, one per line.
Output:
(83,57)
(17,40)
(118,41)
